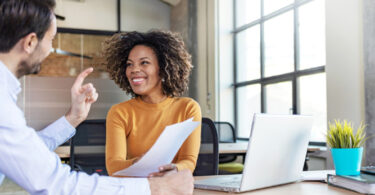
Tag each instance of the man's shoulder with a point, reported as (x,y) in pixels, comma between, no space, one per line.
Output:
(3,81)
(10,113)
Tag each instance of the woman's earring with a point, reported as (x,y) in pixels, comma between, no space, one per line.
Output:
(162,80)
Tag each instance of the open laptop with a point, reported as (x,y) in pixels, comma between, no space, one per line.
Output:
(275,154)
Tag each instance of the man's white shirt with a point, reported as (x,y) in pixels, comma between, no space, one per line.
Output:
(27,157)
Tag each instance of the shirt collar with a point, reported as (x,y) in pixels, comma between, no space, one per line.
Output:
(13,85)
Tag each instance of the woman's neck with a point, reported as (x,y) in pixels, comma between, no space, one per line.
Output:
(153,99)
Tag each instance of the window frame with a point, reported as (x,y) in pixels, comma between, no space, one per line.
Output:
(263,81)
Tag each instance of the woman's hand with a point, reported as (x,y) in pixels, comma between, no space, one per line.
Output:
(163,170)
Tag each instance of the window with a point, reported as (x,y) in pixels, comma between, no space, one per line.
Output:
(279,61)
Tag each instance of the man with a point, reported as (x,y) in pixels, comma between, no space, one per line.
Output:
(27,28)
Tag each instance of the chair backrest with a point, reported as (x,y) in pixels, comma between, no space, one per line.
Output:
(226,132)
(208,158)
(87,147)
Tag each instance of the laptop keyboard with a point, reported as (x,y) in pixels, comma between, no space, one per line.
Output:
(231,183)
(231,180)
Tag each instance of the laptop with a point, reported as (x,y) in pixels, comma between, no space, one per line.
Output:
(275,155)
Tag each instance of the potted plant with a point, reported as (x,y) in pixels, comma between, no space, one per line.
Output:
(346,147)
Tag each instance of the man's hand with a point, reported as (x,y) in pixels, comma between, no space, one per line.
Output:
(82,98)
(181,182)
(164,170)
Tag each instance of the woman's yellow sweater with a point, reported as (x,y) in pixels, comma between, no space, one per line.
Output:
(134,126)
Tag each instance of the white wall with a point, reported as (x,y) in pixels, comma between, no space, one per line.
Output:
(344,46)
(143,15)
(89,14)
(139,15)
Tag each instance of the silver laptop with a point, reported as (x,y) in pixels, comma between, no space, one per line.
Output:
(275,154)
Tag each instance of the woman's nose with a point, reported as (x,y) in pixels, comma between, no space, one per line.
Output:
(134,68)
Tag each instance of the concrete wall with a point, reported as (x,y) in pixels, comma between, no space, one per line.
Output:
(195,20)
(206,57)
(369,61)
(184,21)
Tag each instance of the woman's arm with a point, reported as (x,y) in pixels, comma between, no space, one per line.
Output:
(115,148)
(188,153)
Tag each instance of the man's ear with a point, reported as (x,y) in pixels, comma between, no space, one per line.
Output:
(30,42)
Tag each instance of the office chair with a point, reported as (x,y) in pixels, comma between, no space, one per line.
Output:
(207,163)
(87,147)
(227,134)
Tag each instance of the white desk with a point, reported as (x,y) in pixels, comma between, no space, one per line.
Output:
(64,151)
(241,148)
(298,188)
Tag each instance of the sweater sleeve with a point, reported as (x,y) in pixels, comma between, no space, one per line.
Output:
(188,153)
(116,150)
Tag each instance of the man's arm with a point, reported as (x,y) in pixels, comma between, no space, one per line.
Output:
(26,160)
(82,96)
(57,133)
(173,182)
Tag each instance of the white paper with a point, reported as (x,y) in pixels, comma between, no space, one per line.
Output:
(163,151)
(319,175)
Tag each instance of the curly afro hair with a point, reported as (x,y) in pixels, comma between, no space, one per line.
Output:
(174,61)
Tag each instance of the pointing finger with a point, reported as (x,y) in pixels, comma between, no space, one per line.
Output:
(81,77)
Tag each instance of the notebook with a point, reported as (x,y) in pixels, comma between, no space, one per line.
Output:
(363,183)
(275,155)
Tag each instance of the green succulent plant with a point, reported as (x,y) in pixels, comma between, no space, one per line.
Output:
(340,135)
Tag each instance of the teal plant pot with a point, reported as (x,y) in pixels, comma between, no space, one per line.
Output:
(347,161)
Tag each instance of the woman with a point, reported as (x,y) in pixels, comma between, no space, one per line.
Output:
(154,68)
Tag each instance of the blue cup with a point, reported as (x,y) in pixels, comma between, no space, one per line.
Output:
(347,161)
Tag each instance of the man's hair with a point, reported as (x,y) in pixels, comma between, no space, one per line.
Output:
(19,18)
(173,59)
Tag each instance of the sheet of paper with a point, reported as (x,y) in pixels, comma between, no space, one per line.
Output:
(163,151)
(319,175)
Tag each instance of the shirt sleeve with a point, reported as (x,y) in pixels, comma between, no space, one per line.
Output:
(188,153)
(2,176)
(116,146)
(27,161)
(57,133)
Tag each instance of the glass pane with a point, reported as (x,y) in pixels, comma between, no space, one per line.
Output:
(279,45)
(312,35)
(73,53)
(273,5)
(279,98)
(312,96)
(248,103)
(247,11)
(248,54)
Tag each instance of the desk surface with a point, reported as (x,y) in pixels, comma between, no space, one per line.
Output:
(224,148)
(240,148)
(298,188)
